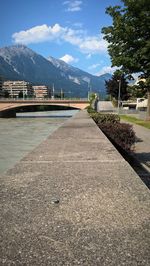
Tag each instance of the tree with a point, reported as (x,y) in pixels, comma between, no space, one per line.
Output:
(112,86)
(6,94)
(138,91)
(129,38)
(20,95)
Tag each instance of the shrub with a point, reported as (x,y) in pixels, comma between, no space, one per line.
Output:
(90,109)
(100,118)
(120,133)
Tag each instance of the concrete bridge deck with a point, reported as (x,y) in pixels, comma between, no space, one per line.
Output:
(9,107)
(102,217)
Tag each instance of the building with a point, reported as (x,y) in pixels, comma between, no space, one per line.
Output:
(141,104)
(41,92)
(18,89)
(1,90)
(139,80)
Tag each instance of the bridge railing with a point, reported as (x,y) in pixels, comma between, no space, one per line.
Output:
(42,100)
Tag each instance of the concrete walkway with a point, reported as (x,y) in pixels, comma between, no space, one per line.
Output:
(74,201)
(142,145)
(105,106)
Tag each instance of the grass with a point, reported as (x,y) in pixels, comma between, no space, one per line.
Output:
(135,120)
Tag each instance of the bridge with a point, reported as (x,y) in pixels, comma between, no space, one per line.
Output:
(9,107)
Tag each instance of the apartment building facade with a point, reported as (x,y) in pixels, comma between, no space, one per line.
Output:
(18,89)
(1,90)
(41,92)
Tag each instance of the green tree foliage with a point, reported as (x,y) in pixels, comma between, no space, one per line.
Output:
(138,91)
(112,86)
(6,94)
(20,95)
(129,37)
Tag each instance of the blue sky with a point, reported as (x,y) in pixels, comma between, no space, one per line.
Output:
(65,29)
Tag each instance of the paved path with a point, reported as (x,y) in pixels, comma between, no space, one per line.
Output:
(105,106)
(74,201)
(142,145)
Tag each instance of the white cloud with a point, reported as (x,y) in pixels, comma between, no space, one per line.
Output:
(39,34)
(73,6)
(78,37)
(93,44)
(69,58)
(93,66)
(106,69)
(88,56)
(73,36)
(78,25)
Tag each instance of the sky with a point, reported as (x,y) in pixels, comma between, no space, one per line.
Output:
(69,30)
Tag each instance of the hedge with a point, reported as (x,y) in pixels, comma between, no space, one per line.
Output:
(121,134)
(105,118)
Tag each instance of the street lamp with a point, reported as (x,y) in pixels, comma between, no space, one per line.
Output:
(119,81)
(53,92)
(69,92)
(61,94)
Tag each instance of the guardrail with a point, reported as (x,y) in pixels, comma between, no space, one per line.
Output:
(42,100)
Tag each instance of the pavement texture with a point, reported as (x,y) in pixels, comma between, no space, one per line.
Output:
(142,145)
(141,151)
(105,106)
(74,201)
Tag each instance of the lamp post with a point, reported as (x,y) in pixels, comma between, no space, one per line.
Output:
(69,92)
(119,81)
(53,92)
(61,94)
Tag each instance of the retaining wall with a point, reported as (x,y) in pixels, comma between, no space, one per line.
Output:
(74,201)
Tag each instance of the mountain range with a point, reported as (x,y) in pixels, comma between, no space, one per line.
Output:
(18,62)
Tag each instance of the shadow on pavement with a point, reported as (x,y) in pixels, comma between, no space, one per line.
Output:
(138,139)
(144,157)
(135,163)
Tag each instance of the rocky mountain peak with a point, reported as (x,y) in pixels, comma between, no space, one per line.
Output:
(20,62)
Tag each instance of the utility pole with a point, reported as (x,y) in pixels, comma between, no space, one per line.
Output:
(11,92)
(53,96)
(23,90)
(61,94)
(89,90)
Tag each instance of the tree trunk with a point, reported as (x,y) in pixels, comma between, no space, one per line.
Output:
(148,106)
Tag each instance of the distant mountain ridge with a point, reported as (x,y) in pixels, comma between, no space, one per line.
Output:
(21,63)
